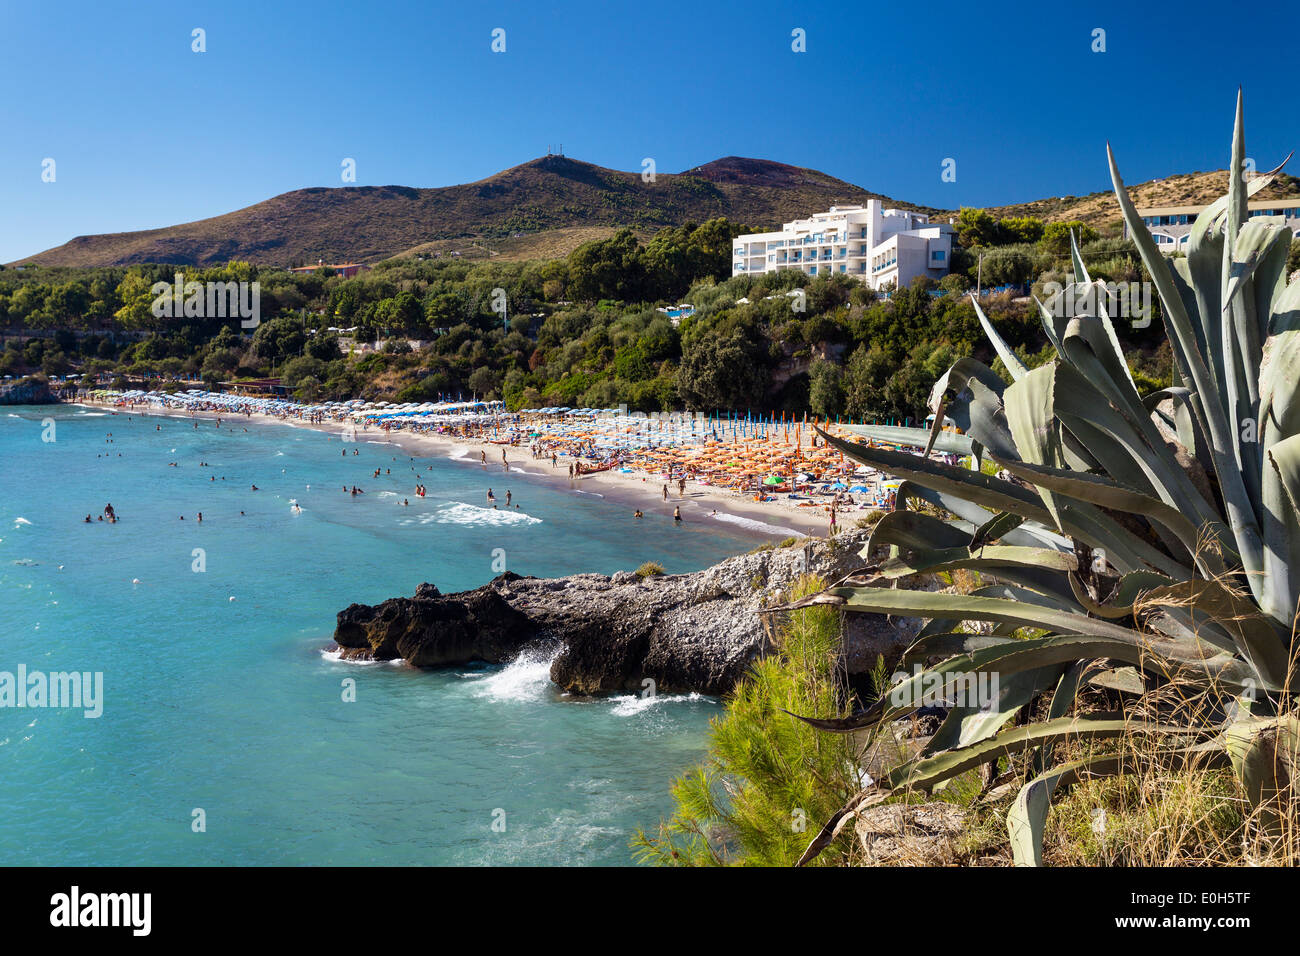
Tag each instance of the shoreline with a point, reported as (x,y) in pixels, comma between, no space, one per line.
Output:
(758,521)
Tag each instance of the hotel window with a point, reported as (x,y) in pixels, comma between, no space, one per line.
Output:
(938,255)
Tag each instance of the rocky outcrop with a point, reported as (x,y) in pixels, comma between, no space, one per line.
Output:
(26,392)
(433,630)
(685,632)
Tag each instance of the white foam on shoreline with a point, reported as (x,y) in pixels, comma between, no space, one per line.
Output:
(754,524)
(632,704)
(527,677)
(336,655)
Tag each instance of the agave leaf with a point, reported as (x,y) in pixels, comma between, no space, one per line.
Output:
(971,395)
(926,772)
(1124,549)
(914,437)
(1265,753)
(1121,602)
(928,544)
(1108,494)
(1027,534)
(1242,339)
(1186,656)
(1255,636)
(1186,421)
(973,486)
(1080,270)
(1123,446)
(1030,408)
(832,828)
(1140,435)
(948,644)
(1003,523)
(1191,365)
(1281,493)
(1284,311)
(1062,700)
(1124,680)
(1279,423)
(1017,368)
(1049,324)
(966,725)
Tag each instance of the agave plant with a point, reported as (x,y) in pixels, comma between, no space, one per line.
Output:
(1145,542)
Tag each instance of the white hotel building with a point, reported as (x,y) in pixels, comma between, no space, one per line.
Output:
(878,246)
(1171,226)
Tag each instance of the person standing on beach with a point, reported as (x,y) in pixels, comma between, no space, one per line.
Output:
(677,514)
(681,487)
(665,492)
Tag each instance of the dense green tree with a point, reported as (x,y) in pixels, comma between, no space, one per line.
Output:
(277,340)
(723,371)
(825,388)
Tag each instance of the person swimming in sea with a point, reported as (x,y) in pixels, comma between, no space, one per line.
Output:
(491,497)
(637,514)
(507,497)
(677,514)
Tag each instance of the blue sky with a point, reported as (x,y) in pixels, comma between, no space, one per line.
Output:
(146,133)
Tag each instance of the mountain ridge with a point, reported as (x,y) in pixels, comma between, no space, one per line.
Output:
(542,208)
(368,223)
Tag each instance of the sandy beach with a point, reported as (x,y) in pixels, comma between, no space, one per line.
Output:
(763,521)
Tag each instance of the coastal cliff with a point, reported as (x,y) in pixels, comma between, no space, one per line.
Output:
(686,632)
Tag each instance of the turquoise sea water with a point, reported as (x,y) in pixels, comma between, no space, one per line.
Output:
(232,706)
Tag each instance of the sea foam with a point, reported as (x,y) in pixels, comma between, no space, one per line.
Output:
(755,525)
(472,516)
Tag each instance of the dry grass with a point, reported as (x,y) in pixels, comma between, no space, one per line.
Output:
(1101,210)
